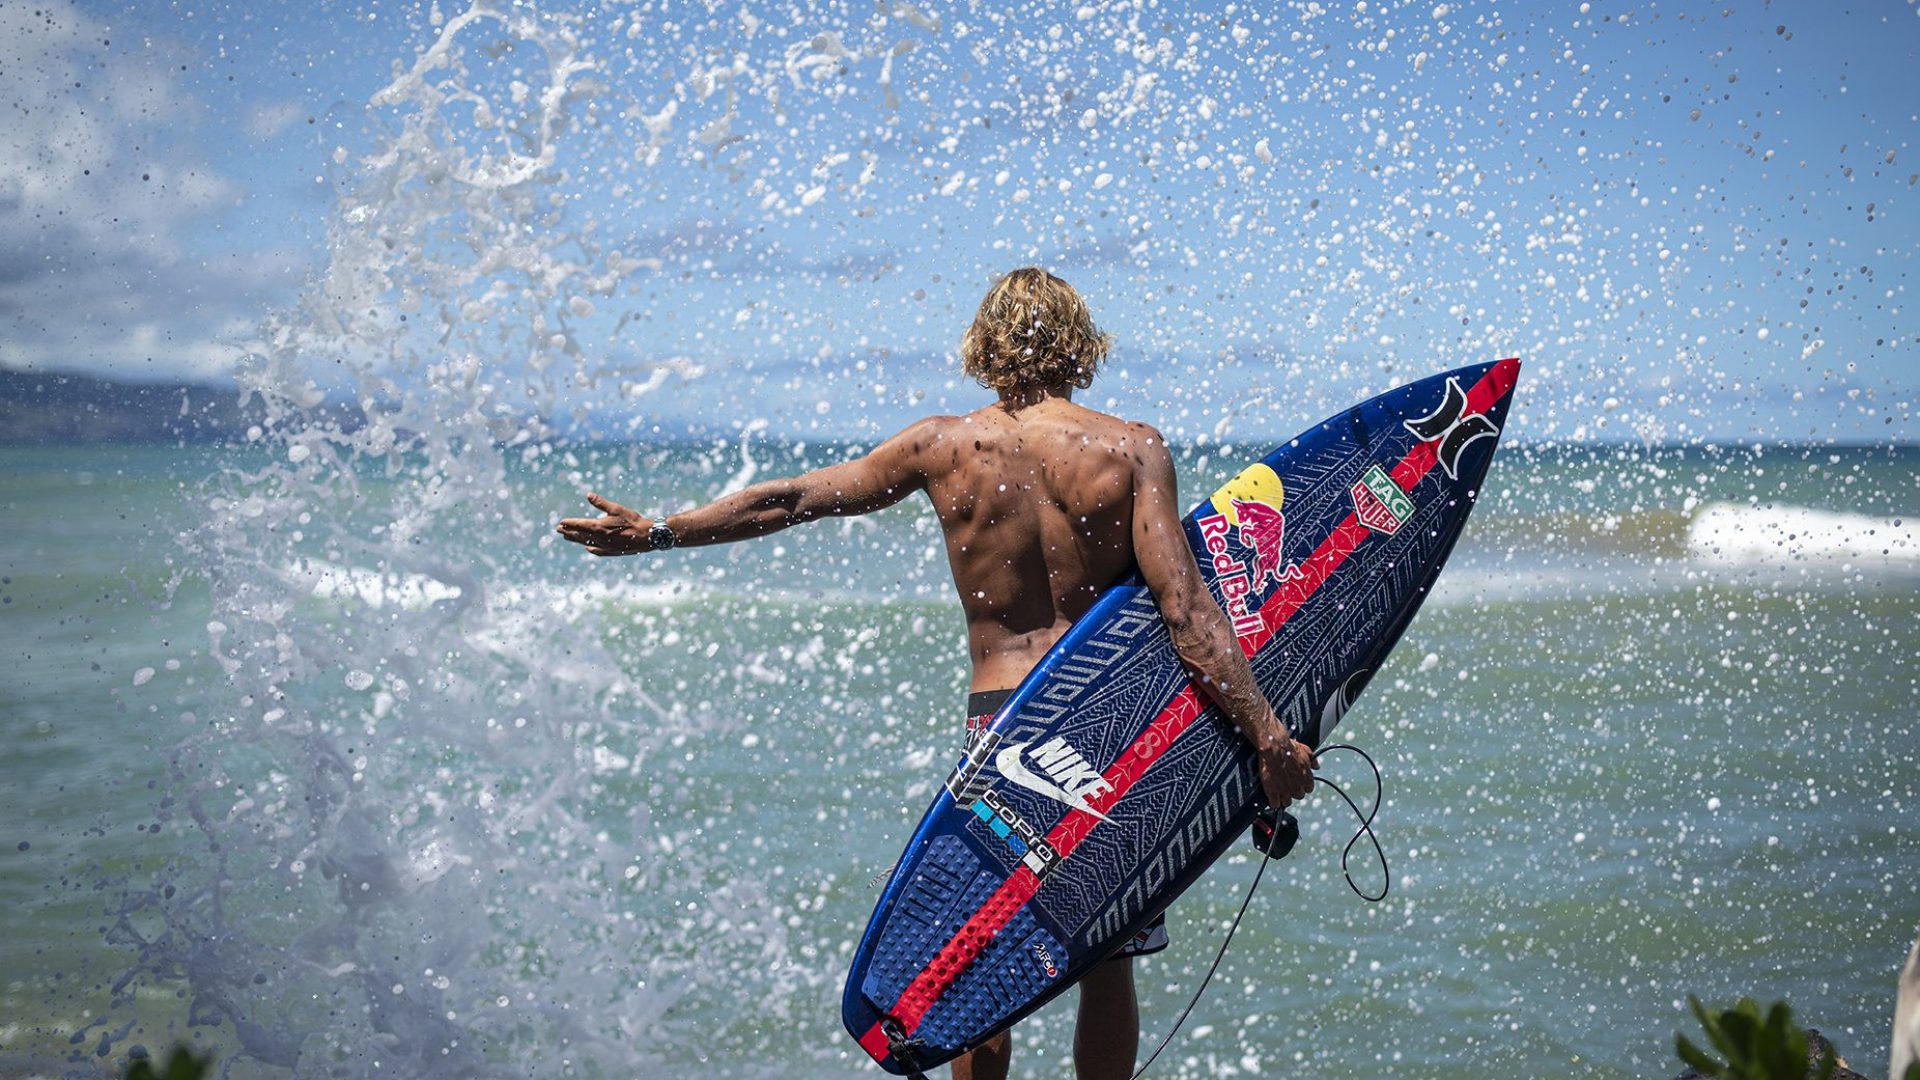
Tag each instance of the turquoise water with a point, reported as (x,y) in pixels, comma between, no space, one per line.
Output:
(272,784)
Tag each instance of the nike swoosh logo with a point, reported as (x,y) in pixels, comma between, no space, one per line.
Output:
(1010,766)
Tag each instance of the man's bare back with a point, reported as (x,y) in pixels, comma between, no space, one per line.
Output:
(1036,504)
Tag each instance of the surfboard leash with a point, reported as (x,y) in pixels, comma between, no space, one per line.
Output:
(1275,841)
(1215,966)
(1366,824)
(904,1049)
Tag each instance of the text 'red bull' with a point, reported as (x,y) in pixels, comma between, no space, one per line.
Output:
(1230,574)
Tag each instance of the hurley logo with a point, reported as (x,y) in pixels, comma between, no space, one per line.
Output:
(1069,780)
(1453,429)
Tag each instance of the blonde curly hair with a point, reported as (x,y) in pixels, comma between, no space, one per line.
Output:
(1033,331)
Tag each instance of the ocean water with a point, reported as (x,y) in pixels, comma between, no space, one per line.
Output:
(321,752)
(336,763)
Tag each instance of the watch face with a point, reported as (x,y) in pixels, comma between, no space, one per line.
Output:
(660,536)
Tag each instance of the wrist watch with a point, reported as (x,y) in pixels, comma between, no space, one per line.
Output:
(660,537)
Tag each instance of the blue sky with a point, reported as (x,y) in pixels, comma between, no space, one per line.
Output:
(1693,221)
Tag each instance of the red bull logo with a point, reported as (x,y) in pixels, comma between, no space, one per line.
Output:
(1249,505)
(1264,529)
(1230,574)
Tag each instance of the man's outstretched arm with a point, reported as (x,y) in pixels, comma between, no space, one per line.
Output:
(892,471)
(1201,634)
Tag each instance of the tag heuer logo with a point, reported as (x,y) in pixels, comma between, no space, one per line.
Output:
(1379,503)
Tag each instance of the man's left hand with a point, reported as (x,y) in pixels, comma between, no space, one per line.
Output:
(1286,771)
(620,532)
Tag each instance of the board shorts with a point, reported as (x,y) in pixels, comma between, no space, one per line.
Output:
(980,709)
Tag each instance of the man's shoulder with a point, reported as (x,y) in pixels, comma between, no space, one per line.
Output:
(987,426)
(1142,431)
(924,444)
(1135,436)
(1082,419)
(931,430)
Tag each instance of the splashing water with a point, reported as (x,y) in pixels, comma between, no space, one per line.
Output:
(411,865)
(462,809)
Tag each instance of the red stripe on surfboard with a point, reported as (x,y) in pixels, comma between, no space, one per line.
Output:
(874,1042)
(1019,887)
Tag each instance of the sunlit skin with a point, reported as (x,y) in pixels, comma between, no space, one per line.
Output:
(1042,503)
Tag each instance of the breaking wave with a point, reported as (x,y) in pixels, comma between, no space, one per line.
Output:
(1729,534)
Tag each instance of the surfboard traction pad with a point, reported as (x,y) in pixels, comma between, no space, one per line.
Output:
(1104,683)
(936,902)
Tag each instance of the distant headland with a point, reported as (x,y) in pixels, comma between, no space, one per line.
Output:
(72,407)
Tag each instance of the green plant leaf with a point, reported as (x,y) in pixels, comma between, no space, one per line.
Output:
(1913,1072)
(1695,1057)
(1736,1034)
(1782,1046)
(184,1066)
(1709,1023)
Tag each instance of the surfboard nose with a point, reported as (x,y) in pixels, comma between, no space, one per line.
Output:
(1506,374)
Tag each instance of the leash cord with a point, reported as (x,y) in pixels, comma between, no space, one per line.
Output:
(1195,999)
(1366,829)
(1366,825)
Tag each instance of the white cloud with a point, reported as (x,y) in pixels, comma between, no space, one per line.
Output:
(103,199)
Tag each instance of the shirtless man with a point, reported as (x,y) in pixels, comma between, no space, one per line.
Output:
(1043,503)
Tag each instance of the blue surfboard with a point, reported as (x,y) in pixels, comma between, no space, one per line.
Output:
(1107,782)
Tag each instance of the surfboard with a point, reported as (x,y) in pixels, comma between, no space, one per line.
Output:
(1107,783)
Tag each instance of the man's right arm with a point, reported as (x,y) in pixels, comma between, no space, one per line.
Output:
(890,472)
(1201,634)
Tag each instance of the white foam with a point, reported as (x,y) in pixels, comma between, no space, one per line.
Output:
(570,599)
(374,588)
(1731,534)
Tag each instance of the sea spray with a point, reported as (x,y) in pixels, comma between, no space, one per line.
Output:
(405,863)
(452,813)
